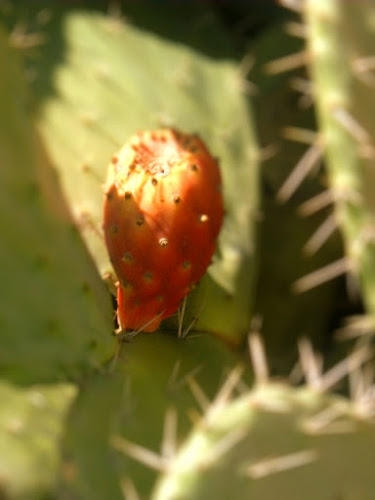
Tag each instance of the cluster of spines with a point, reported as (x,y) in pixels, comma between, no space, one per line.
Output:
(341,72)
(226,432)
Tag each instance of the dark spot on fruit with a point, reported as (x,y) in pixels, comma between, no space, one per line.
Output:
(148,276)
(85,287)
(186,264)
(154,181)
(125,284)
(127,195)
(132,166)
(127,257)
(110,195)
(194,168)
(137,303)
(176,198)
(160,298)
(114,159)
(193,149)
(139,220)
(163,242)
(113,229)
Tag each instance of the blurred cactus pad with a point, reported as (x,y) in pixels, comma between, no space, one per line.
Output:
(262,386)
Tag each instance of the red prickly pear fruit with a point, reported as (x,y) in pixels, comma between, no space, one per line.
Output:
(163,211)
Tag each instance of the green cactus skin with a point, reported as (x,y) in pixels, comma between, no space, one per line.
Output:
(55,314)
(340,42)
(287,315)
(102,92)
(88,468)
(31,425)
(275,442)
(150,376)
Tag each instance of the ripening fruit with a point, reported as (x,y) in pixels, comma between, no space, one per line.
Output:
(162,214)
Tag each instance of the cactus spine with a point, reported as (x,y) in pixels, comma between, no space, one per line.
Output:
(340,44)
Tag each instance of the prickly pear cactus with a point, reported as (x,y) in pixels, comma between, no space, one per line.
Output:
(150,379)
(274,442)
(55,312)
(102,94)
(31,426)
(277,109)
(88,414)
(340,45)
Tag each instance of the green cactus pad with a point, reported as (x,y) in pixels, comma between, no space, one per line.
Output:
(150,376)
(287,315)
(341,44)
(31,424)
(88,468)
(55,314)
(110,78)
(275,442)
